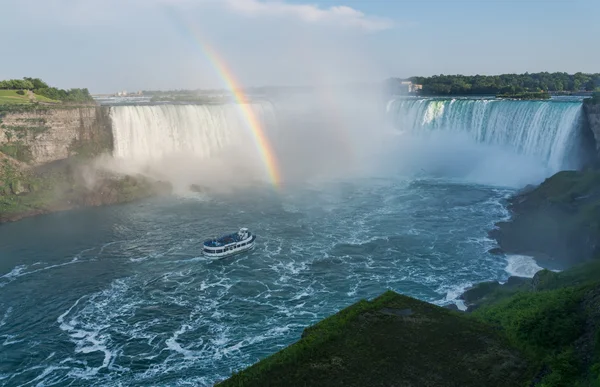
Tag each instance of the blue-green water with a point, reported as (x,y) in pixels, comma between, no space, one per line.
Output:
(121,295)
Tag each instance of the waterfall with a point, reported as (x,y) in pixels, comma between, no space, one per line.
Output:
(151,132)
(547,130)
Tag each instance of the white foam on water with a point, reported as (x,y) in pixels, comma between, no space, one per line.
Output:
(175,346)
(5,316)
(180,318)
(8,340)
(452,294)
(21,270)
(522,266)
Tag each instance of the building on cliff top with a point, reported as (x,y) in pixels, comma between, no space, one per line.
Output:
(398,86)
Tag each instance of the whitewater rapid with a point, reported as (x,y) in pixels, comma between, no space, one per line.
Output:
(151,132)
(309,138)
(548,130)
(134,302)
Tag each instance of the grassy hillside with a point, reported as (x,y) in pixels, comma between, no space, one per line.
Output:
(390,341)
(542,333)
(11,97)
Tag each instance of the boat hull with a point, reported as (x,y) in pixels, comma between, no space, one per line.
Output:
(232,250)
(217,256)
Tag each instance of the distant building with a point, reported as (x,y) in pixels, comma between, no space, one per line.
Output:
(398,86)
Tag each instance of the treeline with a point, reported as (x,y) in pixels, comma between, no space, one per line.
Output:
(40,87)
(507,83)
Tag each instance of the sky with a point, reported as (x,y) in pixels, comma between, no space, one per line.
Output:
(111,45)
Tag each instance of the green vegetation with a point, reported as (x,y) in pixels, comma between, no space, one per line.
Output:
(13,91)
(71,95)
(62,186)
(17,150)
(525,96)
(544,331)
(16,136)
(595,99)
(390,339)
(20,97)
(505,83)
(556,323)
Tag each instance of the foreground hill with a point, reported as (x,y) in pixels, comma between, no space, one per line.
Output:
(543,331)
(394,340)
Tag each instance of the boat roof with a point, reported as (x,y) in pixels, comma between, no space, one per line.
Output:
(225,239)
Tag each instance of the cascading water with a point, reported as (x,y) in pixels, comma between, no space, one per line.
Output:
(133,302)
(155,131)
(547,130)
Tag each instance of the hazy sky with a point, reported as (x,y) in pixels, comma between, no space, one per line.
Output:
(110,45)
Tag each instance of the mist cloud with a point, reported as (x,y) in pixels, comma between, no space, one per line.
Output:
(335,15)
(103,12)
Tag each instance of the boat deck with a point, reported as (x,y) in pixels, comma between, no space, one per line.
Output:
(224,240)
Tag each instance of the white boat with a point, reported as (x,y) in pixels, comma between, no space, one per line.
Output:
(229,244)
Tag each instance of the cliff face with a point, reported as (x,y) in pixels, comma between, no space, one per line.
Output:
(41,136)
(558,222)
(47,162)
(592,113)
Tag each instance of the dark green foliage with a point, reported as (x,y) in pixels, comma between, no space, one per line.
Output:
(525,95)
(565,370)
(556,323)
(538,321)
(390,339)
(506,83)
(594,100)
(37,83)
(20,92)
(16,84)
(584,274)
(71,95)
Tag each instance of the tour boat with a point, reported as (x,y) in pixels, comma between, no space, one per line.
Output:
(229,244)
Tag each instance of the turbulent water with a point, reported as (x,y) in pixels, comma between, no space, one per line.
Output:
(121,295)
(549,130)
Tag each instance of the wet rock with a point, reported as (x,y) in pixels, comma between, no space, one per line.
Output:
(452,307)
(514,281)
(496,251)
(478,292)
(555,222)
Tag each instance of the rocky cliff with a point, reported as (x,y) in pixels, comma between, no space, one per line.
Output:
(47,162)
(41,136)
(592,113)
(557,222)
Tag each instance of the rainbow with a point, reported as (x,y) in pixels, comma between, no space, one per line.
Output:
(261,140)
